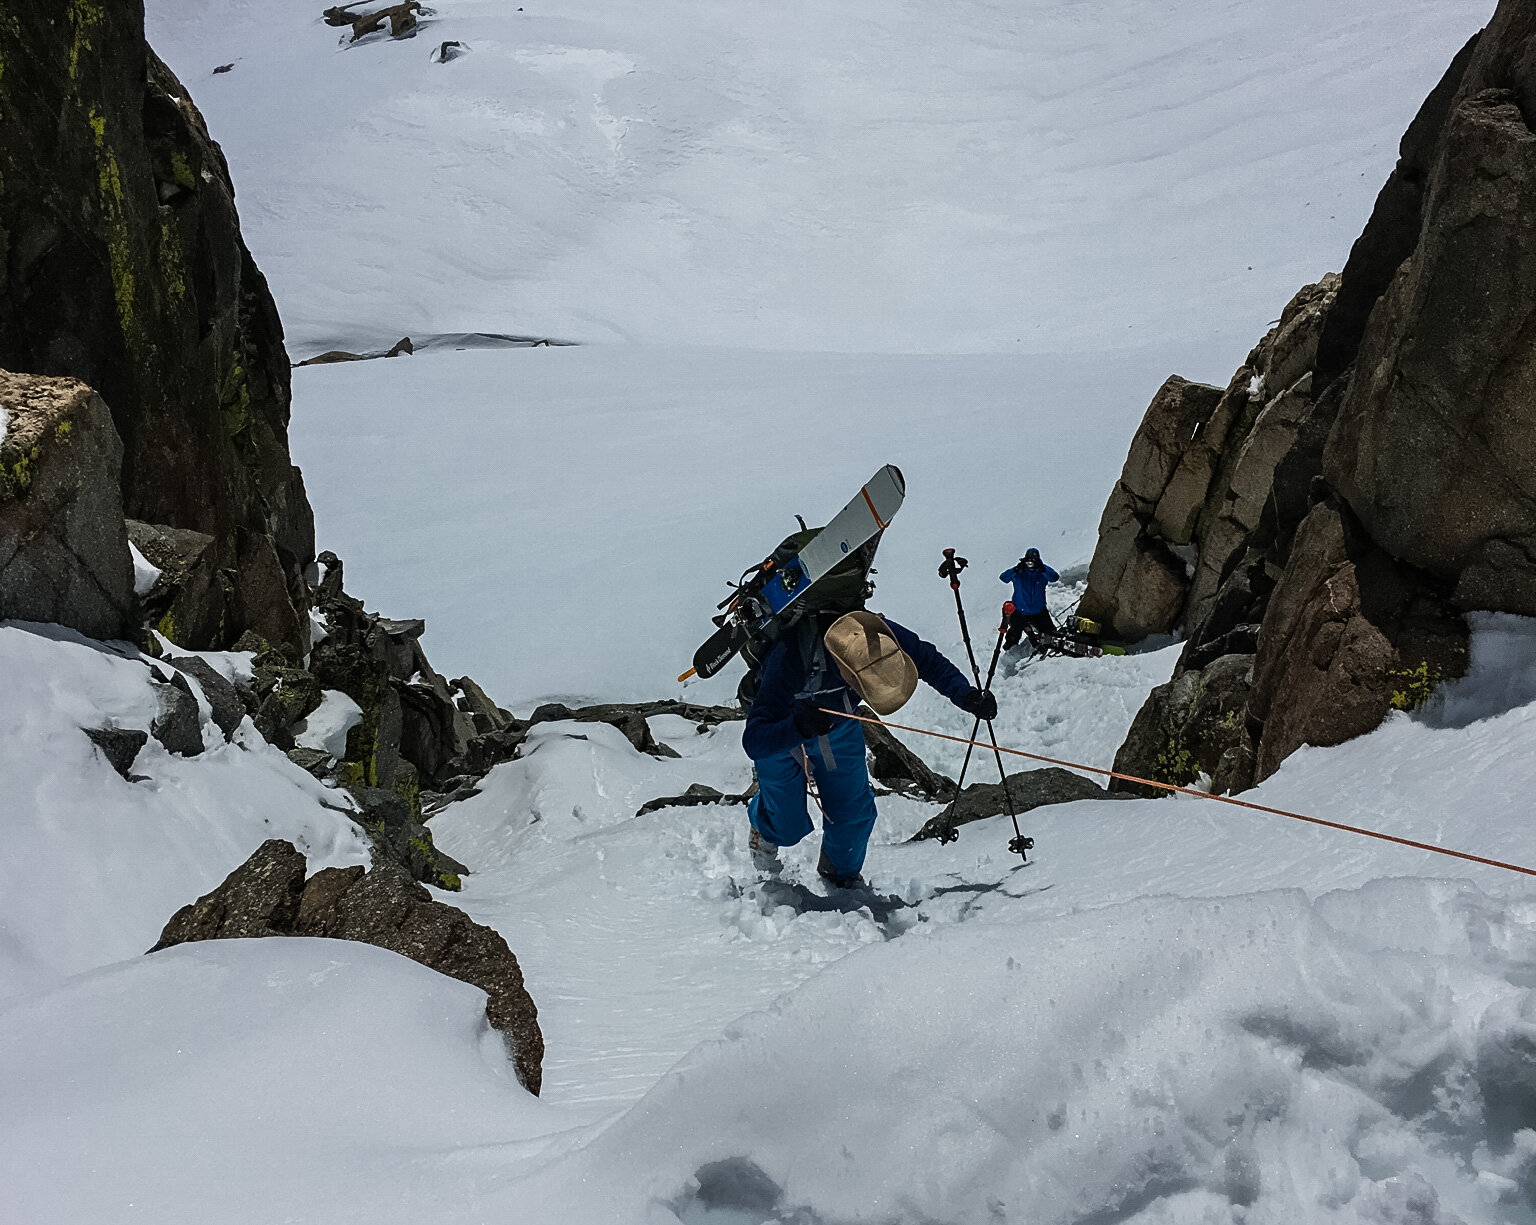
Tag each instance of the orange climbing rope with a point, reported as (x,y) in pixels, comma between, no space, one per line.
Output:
(1203,795)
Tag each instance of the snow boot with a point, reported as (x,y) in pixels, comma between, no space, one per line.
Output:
(828,873)
(765,854)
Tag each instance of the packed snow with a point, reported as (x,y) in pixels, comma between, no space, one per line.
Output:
(95,864)
(1176,1012)
(145,573)
(998,227)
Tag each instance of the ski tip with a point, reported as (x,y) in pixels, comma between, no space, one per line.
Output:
(901,481)
(687,675)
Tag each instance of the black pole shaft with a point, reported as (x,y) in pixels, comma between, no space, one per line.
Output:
(965,631)
(997,650)
(948,822)
(970,653)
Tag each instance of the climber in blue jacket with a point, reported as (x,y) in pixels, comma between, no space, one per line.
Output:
(790,739)
(1029,616)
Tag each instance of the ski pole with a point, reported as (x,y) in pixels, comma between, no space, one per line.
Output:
(1020,843)
(950,569)
(947,831)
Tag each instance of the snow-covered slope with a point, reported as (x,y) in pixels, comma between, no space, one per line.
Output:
(93,864)
(566,519)
(1176,1013)
(873,175)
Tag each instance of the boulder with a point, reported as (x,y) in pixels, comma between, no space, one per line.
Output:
(124,268)
(1136,583)
(259,898)
(192,600)
(63,541)
(486,715)
(1172,421)
(119,745)
(894,765)
(178,726)
(1028,790)
(629,719)
(434,733)
(386,908)
(697,794)
(223,698)
(268,896)
(1350,634)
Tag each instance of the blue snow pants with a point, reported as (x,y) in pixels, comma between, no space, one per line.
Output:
(778,810)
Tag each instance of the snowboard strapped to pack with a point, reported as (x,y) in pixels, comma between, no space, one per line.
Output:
(815,570)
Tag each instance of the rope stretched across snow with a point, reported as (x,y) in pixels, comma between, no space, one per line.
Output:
(1202,795)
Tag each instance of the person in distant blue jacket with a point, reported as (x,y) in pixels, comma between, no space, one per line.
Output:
(791,739)
(1030,615)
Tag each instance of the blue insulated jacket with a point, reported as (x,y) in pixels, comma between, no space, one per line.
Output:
(1029,586)
(771,720)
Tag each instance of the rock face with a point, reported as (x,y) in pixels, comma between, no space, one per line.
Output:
(1435,445)
(1138,581)
(63,547)
(121,264)
(1199,476)
(268,896)
(1378,475)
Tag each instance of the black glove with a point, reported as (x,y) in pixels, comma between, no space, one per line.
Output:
(980,703)
(810,722)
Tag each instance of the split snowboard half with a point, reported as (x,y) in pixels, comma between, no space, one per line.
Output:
(771,590)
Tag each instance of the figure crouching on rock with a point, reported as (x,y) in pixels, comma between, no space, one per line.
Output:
(1030,615)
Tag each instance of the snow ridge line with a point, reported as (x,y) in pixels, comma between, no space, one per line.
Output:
(1201,795)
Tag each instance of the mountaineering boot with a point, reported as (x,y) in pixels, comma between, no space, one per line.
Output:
(828,873)
(765,854)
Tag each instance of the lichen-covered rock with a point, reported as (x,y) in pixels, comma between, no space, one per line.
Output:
(268,896)
(393,823)
(192,599)
(259,898)
(124,268)
(1187,728)
(63,543)
(287,695)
